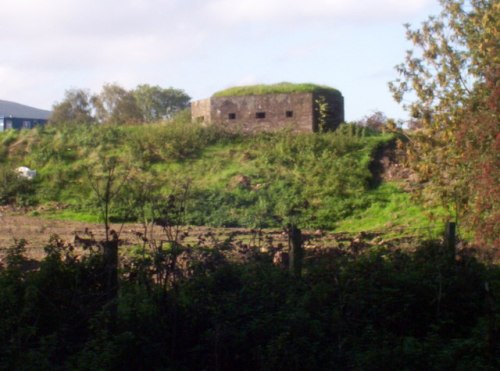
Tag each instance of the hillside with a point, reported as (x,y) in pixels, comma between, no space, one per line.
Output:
(150,300)
(319,181)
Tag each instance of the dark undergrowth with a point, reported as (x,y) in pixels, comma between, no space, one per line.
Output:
(196,309)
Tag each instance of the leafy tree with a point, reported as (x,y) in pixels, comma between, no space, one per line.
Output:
(114,104)
(452,74)
(379,122)
(107,177)
(75,107)
(157,103)
(375,121)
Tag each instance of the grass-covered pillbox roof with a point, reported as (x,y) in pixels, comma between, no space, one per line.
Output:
(280,88)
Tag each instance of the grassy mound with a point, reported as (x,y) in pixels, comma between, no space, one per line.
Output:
(224,178)
(280,88)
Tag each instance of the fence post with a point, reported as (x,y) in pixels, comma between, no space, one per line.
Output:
(450,237)
(111,283)
(296,250)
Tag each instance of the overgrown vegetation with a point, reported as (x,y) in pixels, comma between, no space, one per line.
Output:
(393,213)
(15,189)
(192,309)
(117,105)
(451,77)
(280,88)
(169,304)
(235,179)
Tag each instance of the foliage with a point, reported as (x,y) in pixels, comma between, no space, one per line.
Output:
(236,179)
(322,112)
(75,107)
(16,189)
(284,177)
(453,73)
(379,122)
(379,310)
(107,176)
(280,88)
(116,105)
(157,103)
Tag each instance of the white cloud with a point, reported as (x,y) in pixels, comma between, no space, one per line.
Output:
(75,34)
(232,11)
(92,19)
(27,84)
(53,45)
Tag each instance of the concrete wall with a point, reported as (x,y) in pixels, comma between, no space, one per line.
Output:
(297,111)
(264,112)
(200,111)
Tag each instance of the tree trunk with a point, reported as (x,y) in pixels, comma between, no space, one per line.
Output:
(296,250)
(111,267)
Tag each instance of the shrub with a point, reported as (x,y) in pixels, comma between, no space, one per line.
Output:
(16,189)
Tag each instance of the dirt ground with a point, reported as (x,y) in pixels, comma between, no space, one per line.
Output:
(37,231)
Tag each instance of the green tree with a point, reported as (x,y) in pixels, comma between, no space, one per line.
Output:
(107,176)
(449,83)
(114,104)
(156,103)
(75,107)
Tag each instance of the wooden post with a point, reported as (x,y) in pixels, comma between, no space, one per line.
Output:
(450,237)
(111,262)
(296,250)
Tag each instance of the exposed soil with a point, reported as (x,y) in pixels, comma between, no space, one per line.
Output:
(16,224)
(387,165)
(37,231)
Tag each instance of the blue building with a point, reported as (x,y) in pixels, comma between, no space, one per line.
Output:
(18,116)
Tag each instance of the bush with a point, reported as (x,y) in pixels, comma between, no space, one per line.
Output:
(382,309)
(315,180)
(16,189)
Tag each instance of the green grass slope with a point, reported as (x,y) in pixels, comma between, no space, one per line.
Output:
(227,178)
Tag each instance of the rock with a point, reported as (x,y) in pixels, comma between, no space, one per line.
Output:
(26,172)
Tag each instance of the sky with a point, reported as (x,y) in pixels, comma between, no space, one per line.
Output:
(202,46)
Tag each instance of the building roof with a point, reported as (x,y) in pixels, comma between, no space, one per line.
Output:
(280,88)
(20,110)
